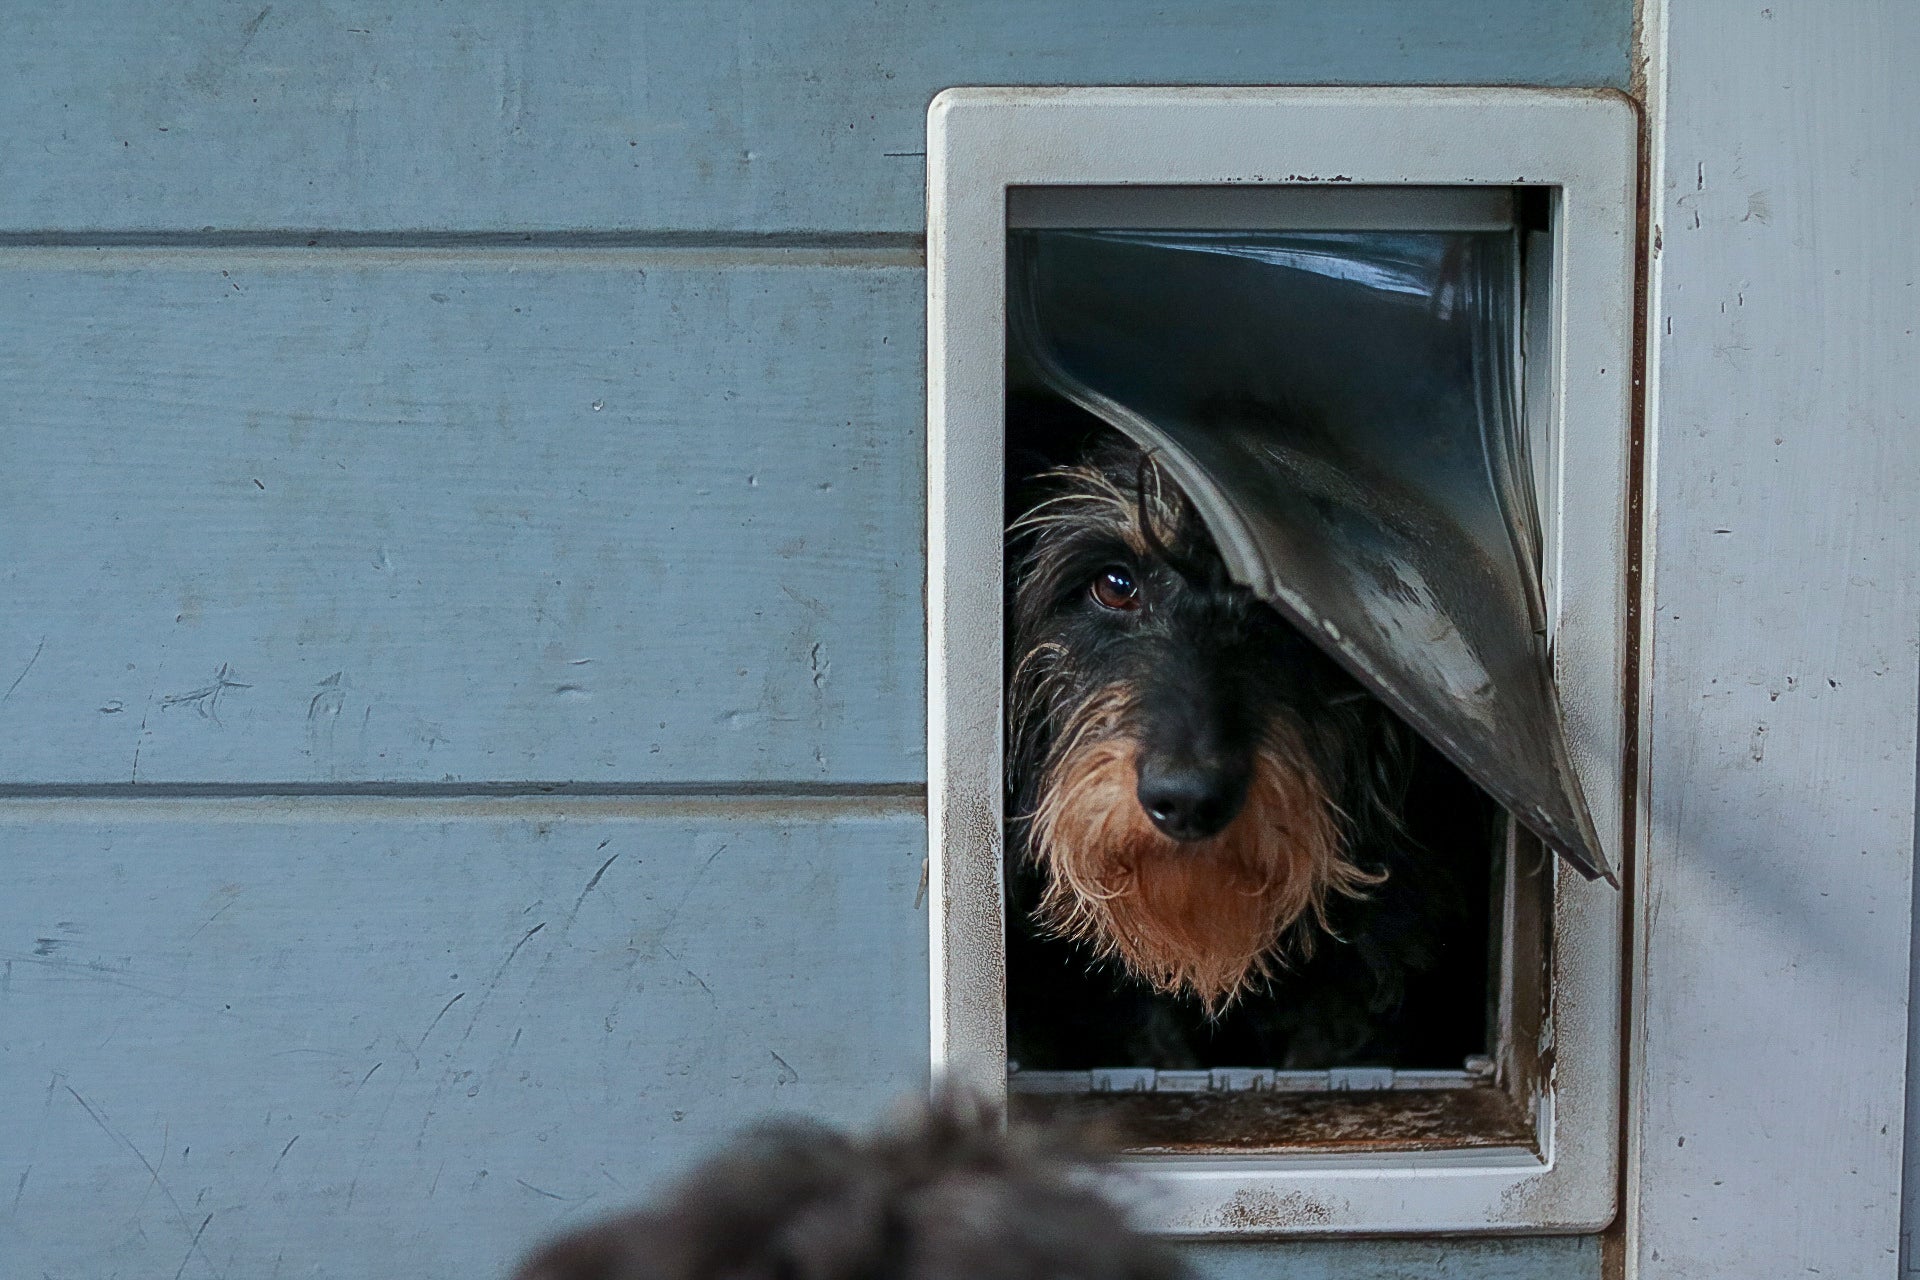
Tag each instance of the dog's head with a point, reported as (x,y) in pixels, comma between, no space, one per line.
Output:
(1183,760)
(945,1193)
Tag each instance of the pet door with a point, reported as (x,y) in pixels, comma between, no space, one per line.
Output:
(1318,481)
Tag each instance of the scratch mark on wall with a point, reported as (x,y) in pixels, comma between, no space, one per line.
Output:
(206,699)
(252,29)
(210,76)
(23,671)
(693,884)
(430,1026)
(20,1190)
(590,885)
(328,699)
(655,938)
(323,718)
(479,1006)
(379,1127)
(283,1152)
(210,919)
(178,1213)
(166,1145)
(788,1074)
(195,1244)
(541,1192)
(111,1033)
(688,970)
(94,972)
(140,739)
(806,602)
(524,940)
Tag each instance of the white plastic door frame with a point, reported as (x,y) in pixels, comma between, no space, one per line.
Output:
(983,142)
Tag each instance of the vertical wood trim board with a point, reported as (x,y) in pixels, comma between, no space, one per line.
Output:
(1773,954)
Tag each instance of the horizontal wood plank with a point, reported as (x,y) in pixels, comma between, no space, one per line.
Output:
(591,517)
(741,115)
(315,1043)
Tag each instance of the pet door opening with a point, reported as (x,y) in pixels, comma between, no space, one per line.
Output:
(1250,906)
(1278,497)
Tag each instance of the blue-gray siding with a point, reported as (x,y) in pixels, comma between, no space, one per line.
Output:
(635,501)
(586,517)
(368,1038)
(737,115)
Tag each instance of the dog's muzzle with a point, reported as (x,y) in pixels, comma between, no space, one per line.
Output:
(1187,800)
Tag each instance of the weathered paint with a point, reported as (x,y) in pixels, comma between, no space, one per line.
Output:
(739,115)
(1781,671)
(184,127)
(303,1037)
(308,518)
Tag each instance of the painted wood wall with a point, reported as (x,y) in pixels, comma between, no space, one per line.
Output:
(1782,648)
(407,408)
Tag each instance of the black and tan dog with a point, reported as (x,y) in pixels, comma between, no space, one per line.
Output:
(1224,850)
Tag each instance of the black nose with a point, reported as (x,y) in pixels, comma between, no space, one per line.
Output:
(1189,801)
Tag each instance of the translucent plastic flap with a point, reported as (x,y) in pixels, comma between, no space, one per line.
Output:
(1341,407)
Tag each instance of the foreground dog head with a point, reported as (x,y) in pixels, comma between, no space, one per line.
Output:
(1185,763)
(946,1195)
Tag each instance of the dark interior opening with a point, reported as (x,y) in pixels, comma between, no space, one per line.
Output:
(1408,983)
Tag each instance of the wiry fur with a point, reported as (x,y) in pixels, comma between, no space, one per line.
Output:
(1206,919)
(1295,931)
(944,1194)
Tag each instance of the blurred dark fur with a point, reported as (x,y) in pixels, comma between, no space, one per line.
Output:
(943,1195)
(1223,851)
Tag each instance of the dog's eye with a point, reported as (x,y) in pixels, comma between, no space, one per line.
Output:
(1114,588)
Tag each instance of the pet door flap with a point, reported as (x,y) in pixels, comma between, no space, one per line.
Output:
(1341,408)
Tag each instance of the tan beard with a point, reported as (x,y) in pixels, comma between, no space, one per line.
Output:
(1207,918)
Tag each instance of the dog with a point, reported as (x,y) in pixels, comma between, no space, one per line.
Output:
(943,1194)
(1221,846)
